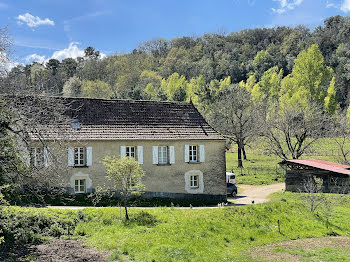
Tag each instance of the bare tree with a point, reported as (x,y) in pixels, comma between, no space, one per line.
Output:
(236,117)
(291,132)
(341,136)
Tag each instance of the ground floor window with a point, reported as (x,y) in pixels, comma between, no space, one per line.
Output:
(194,181)
(79,186)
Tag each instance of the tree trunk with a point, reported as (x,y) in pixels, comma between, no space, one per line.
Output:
(126,213)
(244,154)
(240,163)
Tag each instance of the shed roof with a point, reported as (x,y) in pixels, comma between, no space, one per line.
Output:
(118,119)
(320,164)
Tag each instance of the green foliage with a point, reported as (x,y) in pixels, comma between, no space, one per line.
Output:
(330,102)
(308,80)
(125,174)
(96,89)
(32,225)
(72,88)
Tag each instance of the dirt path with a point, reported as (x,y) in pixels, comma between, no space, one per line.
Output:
(258,194)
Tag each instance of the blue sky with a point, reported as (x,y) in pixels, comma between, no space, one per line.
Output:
(42,29)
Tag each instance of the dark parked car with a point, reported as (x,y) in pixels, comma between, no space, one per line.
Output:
(231,189)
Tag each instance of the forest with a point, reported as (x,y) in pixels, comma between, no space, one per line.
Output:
(197,68)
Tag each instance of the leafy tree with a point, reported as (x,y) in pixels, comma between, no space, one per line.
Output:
(72,88)
(69,67)
(96,89)
(125,174)
(53,65)
(330,102)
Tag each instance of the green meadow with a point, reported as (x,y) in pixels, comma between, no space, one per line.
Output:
(173,234)
(260,168)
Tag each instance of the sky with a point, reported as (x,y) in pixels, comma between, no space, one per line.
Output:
(44,29)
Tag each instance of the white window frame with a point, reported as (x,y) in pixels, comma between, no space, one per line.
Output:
(129,153)
(38,155)
(193,153)
(194,181)
(81,187)
(163,159)
(79,156)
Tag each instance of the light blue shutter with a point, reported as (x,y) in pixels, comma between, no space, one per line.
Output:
(171,154)
(155,154)
(122,151)
(187,155)
(89,156)
(140,154)
(201,153)
(71,156)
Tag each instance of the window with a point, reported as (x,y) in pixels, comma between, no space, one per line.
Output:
(162,155)
(38,156)
(79,186)
(79,156)
(130,151)
(194,181)
(193,153)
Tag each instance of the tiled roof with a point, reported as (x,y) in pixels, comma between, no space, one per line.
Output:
(320,164)
(102,119)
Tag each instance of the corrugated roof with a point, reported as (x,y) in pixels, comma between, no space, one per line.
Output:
(321,164)
(102,119)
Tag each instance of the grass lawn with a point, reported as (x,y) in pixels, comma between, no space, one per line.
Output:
(263,169)
(227,234)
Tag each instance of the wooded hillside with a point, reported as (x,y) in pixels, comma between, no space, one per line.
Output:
(193,67)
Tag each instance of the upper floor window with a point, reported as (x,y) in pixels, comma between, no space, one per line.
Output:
(162,155)
(38,156)
(193,153)
(79,156)
(130,151)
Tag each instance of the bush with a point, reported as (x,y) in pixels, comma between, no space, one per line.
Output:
(30,225)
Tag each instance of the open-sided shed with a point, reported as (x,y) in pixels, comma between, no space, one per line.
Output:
(335,177)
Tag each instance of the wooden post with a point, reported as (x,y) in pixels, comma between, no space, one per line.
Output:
(279,227)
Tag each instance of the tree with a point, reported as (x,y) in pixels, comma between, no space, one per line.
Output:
(96,89)
(72,88)
(69,66)
(291,131)
(125,173)
(330,101)
(236,117)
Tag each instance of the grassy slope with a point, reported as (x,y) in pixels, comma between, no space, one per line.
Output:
(261,168)
(206,234)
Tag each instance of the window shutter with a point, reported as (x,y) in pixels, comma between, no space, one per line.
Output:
(46,156)
(140,154)
(171,154)
(155,154)
(187,155)
(122,151)
(89,156)
(71,156)
(201,153)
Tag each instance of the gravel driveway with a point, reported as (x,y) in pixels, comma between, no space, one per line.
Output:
(258,194)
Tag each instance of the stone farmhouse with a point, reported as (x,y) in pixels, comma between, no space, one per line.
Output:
(182,155)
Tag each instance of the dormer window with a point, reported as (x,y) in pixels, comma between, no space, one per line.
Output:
(75,124)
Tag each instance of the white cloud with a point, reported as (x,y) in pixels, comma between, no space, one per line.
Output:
(35,58)
(72,51)
(33,21)
(345,7)
(286,5)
